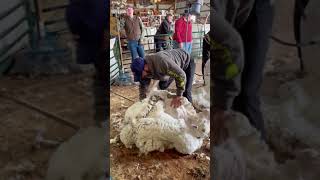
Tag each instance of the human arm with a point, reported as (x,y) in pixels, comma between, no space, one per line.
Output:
(143,88)
(179,76)
(227,65)
(141,29)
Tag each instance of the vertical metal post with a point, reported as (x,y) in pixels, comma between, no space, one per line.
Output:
(40,18)
(31,21)
(175,5)
(35,3)
(119,39)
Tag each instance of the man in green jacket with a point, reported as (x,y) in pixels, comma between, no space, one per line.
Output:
(166,66)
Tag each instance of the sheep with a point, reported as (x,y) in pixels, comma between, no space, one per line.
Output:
(245,156)
(83,157)
(152,124)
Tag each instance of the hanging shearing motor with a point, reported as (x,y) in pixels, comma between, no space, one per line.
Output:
(195,8)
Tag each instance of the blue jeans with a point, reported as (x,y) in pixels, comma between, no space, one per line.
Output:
(135,49)
(187,46)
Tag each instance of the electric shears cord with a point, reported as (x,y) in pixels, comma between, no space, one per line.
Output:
(310,43)
(298,14)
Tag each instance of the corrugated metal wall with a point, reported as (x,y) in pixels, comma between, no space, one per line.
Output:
(20,25)
(14,29)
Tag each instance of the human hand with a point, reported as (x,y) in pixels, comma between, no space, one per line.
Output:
(176,101)
(220,132)
(180,45)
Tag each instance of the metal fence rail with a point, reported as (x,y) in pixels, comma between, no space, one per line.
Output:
(196,49)
(46,24)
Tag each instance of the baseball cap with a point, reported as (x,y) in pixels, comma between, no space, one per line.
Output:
(137,67)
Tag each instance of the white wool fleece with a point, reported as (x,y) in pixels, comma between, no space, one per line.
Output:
(153,125)
(83,157)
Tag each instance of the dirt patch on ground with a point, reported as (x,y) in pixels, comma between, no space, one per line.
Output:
(69,97)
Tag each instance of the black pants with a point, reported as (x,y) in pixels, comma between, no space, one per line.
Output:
(101,104)
(160,44)
(100,86)
(255,35)
(205,55)
(189,75)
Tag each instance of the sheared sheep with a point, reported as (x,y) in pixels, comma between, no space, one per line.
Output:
(83,157)
(245,156)
(153,124)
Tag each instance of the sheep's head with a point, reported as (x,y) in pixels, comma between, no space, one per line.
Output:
(199,125)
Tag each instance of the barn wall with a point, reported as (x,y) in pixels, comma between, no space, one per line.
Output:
(13,28)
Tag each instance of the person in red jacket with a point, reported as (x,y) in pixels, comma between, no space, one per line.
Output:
(183,33)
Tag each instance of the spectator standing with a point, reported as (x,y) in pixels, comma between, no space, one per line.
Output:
(134,31)
(183,33)
(162,38)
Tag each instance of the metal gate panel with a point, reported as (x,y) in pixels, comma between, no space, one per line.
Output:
(114,63)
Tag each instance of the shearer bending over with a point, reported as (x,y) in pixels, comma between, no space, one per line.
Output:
(166,66)
(239,42)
